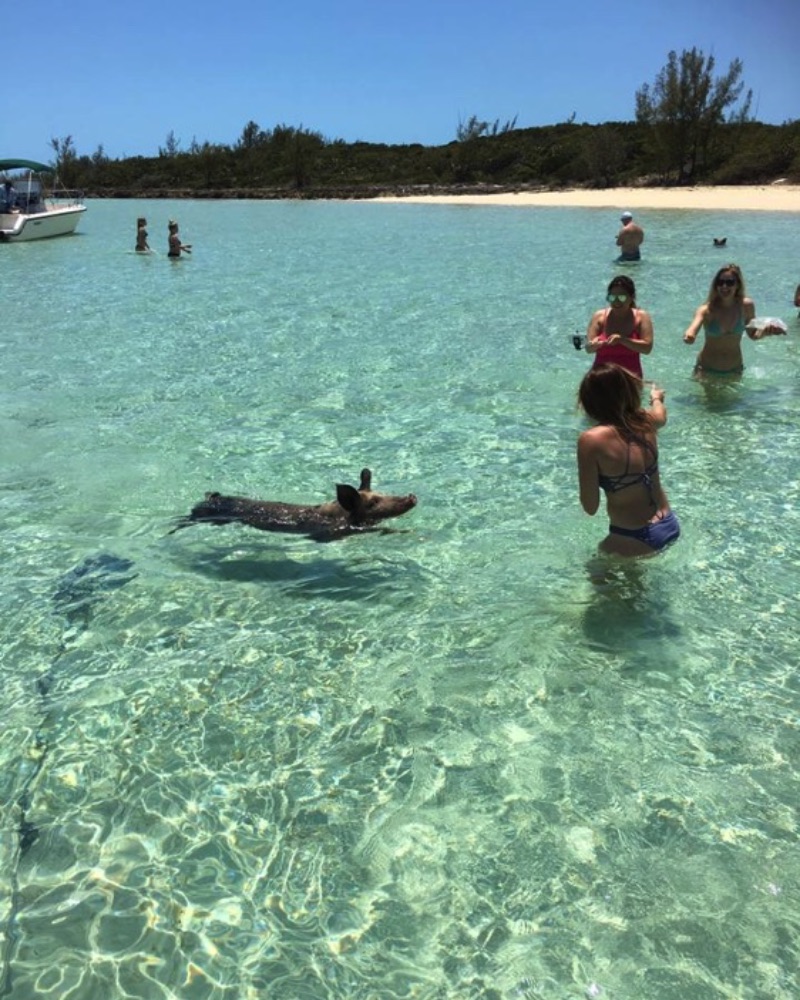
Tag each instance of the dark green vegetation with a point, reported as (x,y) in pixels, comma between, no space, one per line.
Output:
(689,128)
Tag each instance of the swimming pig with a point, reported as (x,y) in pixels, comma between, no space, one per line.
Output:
(353,510)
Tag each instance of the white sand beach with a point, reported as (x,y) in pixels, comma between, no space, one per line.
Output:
(776,197)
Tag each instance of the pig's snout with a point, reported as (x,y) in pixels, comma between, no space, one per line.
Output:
(402,504)
(381,506)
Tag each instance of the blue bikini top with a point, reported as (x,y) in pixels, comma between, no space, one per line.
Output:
(713,328)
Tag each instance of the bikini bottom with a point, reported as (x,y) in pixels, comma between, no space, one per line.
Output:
(705,370)
(658,533)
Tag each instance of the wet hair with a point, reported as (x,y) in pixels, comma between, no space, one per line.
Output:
(626,284)
(611,395)
(713,294)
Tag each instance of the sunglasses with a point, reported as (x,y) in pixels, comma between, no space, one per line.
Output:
(620,297)
(727,282)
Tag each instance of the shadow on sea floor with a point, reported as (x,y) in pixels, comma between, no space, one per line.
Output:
(75,599)
(336,579)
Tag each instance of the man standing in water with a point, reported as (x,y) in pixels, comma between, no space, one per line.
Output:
(629,238)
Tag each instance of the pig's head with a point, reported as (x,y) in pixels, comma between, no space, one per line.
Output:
(365,507)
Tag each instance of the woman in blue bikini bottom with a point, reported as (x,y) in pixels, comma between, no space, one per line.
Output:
(619,456)
(658,534)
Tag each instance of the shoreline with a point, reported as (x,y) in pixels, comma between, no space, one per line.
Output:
(776,197)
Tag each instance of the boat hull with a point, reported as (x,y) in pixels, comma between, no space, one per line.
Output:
(16,227)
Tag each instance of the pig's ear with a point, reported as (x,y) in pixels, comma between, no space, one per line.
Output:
(348,497)
(366,480)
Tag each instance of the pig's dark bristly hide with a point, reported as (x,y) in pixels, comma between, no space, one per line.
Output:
(354,510)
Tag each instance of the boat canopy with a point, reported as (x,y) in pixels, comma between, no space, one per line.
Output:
(24,165)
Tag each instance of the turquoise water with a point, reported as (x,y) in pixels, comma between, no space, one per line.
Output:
(438,763)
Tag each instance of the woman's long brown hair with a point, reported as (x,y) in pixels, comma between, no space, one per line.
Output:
(611,395)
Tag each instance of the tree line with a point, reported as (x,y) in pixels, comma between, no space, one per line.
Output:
(691,126)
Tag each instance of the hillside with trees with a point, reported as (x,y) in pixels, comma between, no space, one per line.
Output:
(690,127)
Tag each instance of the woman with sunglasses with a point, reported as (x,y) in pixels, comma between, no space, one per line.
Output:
(725,316)
(620,334)
(620,457)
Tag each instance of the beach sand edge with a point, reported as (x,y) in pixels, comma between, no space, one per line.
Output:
(776,197)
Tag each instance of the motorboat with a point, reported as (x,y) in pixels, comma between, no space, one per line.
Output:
(31,211)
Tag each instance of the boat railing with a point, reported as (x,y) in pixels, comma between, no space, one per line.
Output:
(39,193)
(64,197)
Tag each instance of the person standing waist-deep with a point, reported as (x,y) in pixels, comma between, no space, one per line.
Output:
(619,456)
(175,245)
(142,246)
(620,334)
(629,238)
(724,318)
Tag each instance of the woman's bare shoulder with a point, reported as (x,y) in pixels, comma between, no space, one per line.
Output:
(597,437)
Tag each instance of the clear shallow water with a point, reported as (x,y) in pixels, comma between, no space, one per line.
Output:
(437,763)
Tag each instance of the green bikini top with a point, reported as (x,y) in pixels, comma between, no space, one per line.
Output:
(713,328)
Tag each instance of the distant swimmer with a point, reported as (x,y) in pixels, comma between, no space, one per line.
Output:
(720,241)
(142,246)
(629,238)
(175,245)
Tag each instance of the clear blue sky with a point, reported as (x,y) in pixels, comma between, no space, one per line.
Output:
(125,74)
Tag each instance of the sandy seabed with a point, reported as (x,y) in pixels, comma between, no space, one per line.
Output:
(776,197)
